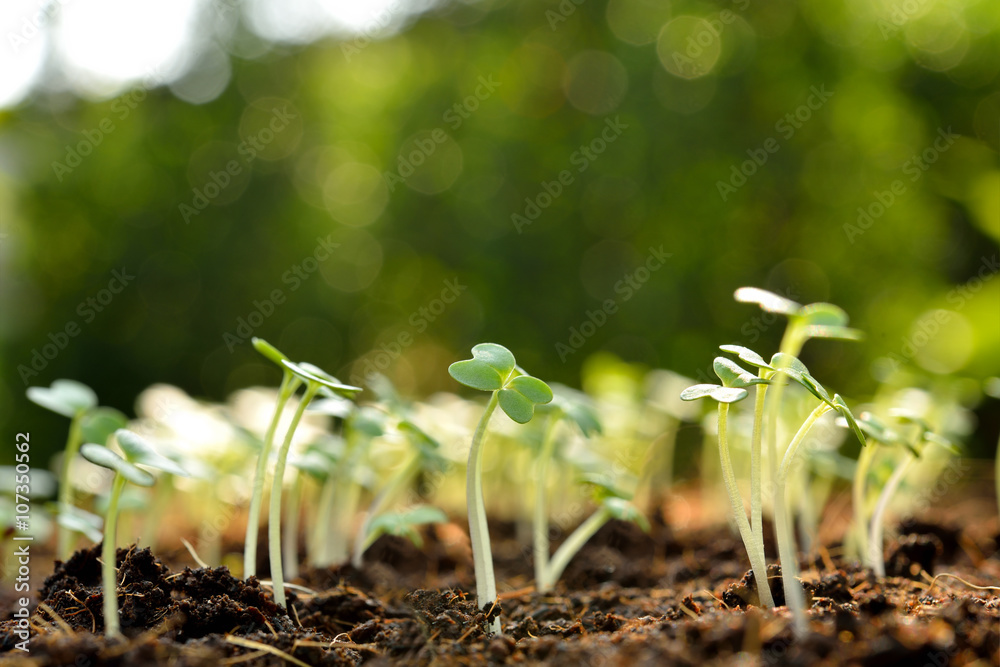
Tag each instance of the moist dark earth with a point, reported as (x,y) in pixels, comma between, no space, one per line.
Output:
(629,598)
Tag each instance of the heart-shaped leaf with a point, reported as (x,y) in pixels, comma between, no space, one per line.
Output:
(316,375)
(823,314)
(140,452)
(269,351)
(747,355)
(65,397)
(768,301)
(496,356)
(104,457)
(715,392)
(97,425)
(533,389)
(476,374)
(732,375)
(518,407)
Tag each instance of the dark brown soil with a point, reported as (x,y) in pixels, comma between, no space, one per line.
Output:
(627,599)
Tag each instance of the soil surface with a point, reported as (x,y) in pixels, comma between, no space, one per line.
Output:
(629,598)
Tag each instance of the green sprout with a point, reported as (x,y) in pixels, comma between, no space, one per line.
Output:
(289,384)
(735,380)
(72,399)
(426,455)
(403,524)
(137,452)
(613,503)
(567,406)
(316,380)
(493,369)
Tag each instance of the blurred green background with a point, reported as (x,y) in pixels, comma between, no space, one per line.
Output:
(499,171)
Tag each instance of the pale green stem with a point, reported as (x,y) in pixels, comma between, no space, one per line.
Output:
(479,535)
(757,563)
(858,499)
(572,545)
(109,555)
(396,483)
(348,496)
(161,500)
(756,474)
(289,383)
(787,552)
(66,537)
(274,516)
(541,522)
(291,532)
(209,532)
(875,558)
(321,531)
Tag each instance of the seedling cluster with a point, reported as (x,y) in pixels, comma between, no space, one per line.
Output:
(337,475)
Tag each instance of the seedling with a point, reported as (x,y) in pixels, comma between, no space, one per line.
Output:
(137,452)
(289,384)
(315,380)
(613,503)
(735,380)
(566,406)
(72,399)
(404,524)
(493,369)
(425,456)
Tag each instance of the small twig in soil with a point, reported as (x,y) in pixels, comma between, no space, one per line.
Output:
(295,613)
(688,611)
(270,627)
(249,643)
(60,621)
(933,582)
(246,657)
(335,645)
(295,587)
(194,554)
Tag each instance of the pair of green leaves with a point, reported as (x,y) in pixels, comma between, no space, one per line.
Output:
(306,372)
(493,368)
(137,452)
(818,320)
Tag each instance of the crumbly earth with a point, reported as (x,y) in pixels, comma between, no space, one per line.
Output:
(627,599)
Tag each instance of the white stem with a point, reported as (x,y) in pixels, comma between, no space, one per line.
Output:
(572,545)
(858,500)
(875,558)
(479,535)
(291,532)
(379,503)
(109,558)
(541,523)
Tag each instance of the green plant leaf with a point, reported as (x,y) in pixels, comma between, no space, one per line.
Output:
(841,406)
(65,397)
(823,314)
(768,301)
(404,524)
(796,370)
(104,457)
(98,424)
(715,392)
(732,375)
(747,355)
(518,407)
(81,521)
(838,333)
(577,407)
(496,356)
(476,374)
(367,421)
(269,351)
(334,407)
(875,429)
(623,510)
(532,388)
(140,452)
(426,445)
(316,375)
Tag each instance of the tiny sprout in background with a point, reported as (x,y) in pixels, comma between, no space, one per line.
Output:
(404,524)
(494,369)
(137,453)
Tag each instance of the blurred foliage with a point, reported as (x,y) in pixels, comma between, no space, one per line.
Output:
(488,103)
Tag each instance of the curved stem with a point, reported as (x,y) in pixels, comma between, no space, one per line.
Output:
(289,383)
(875,557)
(73,442)
(541,509)
(320,556)
(757,563)
(290,538)
(274,516)
(865,458)
(109,558)
(572,545)
(395,484)
(787,552)
(479,536)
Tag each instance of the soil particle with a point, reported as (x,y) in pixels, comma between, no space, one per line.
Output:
(913,553)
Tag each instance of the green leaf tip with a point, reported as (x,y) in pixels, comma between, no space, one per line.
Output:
(768,301)
(732,375)
(715,392)
(104,457)
(140,452)
(68,398)
(476,374)
(316,375)
(268,350)
(747,355)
